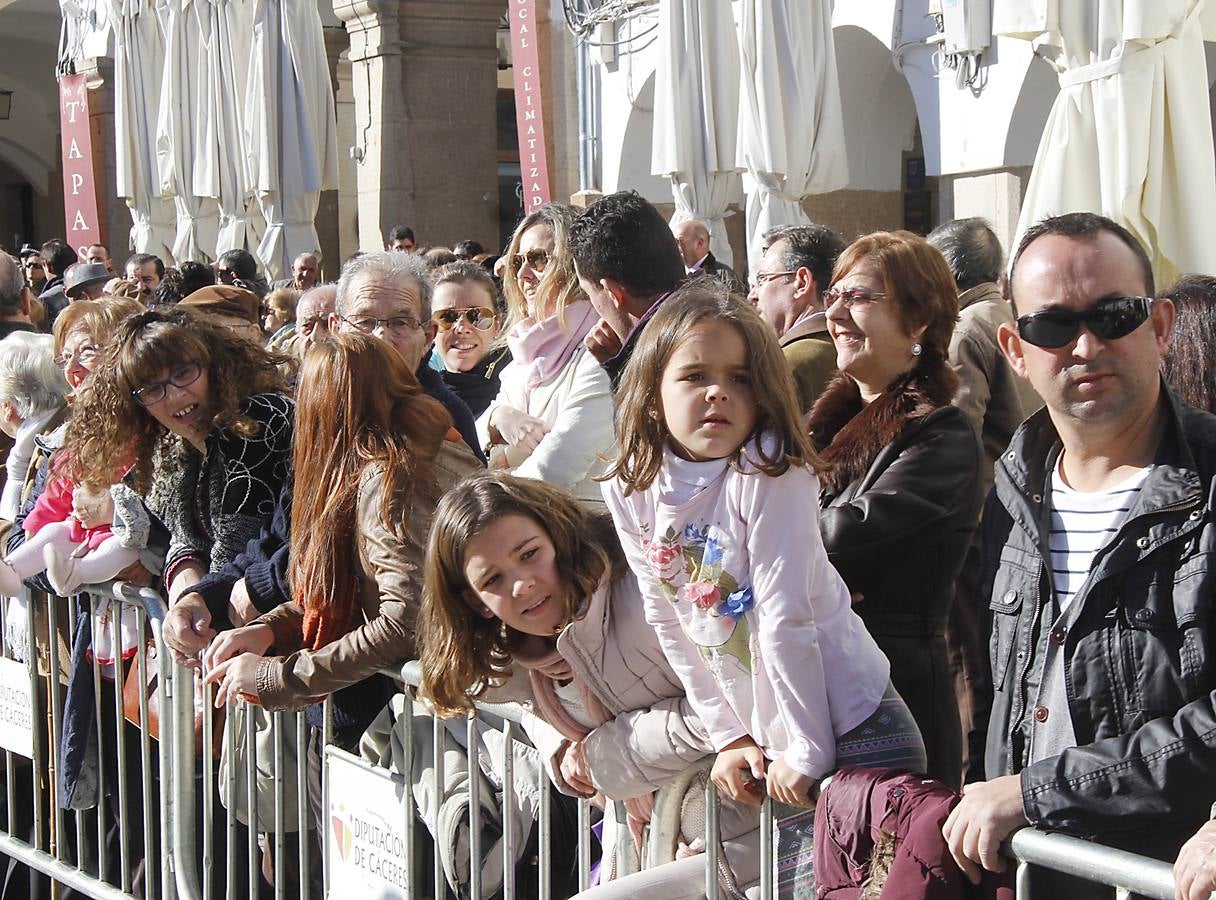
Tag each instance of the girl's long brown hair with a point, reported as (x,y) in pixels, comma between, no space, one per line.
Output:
(641,432)
(109,428)
(463,652)
(357,405)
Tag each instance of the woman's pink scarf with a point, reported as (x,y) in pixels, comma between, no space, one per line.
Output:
(545,669)
(543,348)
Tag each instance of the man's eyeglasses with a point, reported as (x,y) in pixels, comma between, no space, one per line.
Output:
(34,265)
(763,278)
(182,377)
(1108,320)
(368,324)
(84,354)
(308,326)
(537,259)
(851,298)
(480,317)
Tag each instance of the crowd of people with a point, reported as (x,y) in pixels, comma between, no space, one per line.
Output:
(897,508)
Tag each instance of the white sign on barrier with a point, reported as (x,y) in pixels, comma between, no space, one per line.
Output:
(365,849)
(16,708)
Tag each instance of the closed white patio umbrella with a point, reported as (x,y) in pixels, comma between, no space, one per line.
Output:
(696,113)
(1130,133)
(183,112)
(223,168)
(139,55)
(291,127)
(791,128)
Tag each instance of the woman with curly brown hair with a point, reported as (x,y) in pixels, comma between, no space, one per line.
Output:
(202,418)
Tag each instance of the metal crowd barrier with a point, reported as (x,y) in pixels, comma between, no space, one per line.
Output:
(151,838)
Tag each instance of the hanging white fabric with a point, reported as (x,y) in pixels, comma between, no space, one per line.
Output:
(1130,133)
(291,127)
(791,128)
(696,113)
(139,57)
(183,112)
(223,168)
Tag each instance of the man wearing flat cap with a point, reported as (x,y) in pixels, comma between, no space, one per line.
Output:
(234,307)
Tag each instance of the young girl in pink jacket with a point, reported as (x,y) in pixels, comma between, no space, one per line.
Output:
(715,498)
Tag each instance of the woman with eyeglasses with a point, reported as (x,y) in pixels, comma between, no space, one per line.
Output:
(552,418)
(464,308)
(901,488)
(203,419)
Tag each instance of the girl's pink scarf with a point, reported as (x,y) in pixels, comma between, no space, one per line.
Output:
(545,668)
(543,348)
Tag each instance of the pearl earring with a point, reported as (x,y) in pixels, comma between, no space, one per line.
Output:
(917,349)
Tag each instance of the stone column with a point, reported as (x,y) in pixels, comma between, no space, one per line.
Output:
(995,196)
(112,211)
(424,76)
(328,213)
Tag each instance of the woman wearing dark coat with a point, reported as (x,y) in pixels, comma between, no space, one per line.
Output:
(901,493)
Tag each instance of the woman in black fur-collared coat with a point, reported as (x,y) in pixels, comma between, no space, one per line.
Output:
(901,490)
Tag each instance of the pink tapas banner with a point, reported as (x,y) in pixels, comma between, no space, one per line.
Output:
(79,180)
(529,117)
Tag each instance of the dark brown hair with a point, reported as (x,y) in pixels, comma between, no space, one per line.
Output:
(463,652)
(642,435)
(1188,362)
(109,428)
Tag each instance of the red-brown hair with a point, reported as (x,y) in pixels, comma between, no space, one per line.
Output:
(357,405)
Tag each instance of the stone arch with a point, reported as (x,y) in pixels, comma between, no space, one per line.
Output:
(636,146)
(880,114)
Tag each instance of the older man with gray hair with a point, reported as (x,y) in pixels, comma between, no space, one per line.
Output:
(787,291)
(388,294)
(693,237)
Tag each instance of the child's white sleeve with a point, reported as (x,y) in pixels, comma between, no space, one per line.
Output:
(703,692)
(791,576)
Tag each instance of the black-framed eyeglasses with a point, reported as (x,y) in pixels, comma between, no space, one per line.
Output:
(851,297)
(480,317)
(1107,320)
(84,354)
(763,278)
(537,259)
(182,377)
(368,324)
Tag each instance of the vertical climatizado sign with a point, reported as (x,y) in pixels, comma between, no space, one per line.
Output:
(529,118)
(79,185)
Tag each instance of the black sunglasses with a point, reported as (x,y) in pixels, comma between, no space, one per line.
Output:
(1108,319)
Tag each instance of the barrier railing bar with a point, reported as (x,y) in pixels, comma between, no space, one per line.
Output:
(303,811)
(58,870)
(437,756)
(103,852)
(711,841)
(120,746)
(584,843)
(546,839)
(412,887)
(1093,862)
(473,751)
(251,799)
(230,807)
(145,756)
(508,809)
(767,863)
(206,763)
(279,725)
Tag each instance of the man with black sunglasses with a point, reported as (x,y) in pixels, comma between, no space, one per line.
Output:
(1098,541)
